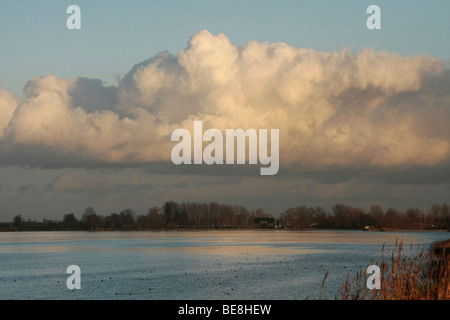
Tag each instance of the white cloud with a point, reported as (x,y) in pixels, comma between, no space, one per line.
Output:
(332,108)
(8,104)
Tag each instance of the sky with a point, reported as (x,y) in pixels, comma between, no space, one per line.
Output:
(86,115)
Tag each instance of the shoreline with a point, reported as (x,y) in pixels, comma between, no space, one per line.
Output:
(225,230)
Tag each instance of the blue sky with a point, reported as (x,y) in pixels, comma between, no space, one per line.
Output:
(117,34)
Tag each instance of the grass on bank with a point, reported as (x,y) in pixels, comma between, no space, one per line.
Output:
(415,276)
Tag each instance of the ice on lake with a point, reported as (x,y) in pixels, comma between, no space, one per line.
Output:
(194,265)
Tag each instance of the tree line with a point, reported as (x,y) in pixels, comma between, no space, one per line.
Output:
(190,215)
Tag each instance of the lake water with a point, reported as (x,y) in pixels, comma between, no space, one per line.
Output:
(197,265)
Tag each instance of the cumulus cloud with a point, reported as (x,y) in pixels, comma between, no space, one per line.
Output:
(374,109)
(48,118)
(8,104)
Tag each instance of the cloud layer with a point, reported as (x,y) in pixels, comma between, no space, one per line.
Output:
(364,109)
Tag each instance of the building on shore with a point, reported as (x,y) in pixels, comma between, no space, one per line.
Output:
(264,223)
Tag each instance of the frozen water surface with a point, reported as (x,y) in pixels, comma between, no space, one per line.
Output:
(199,265)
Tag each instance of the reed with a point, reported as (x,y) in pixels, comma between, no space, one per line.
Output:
(419,275)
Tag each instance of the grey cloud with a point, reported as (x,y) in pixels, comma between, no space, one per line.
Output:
(92,95)
(411,176)
(29,188)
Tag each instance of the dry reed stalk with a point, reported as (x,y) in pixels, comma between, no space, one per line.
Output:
(323,283)
(421,276)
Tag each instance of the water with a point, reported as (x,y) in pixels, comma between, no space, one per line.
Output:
(199,265)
